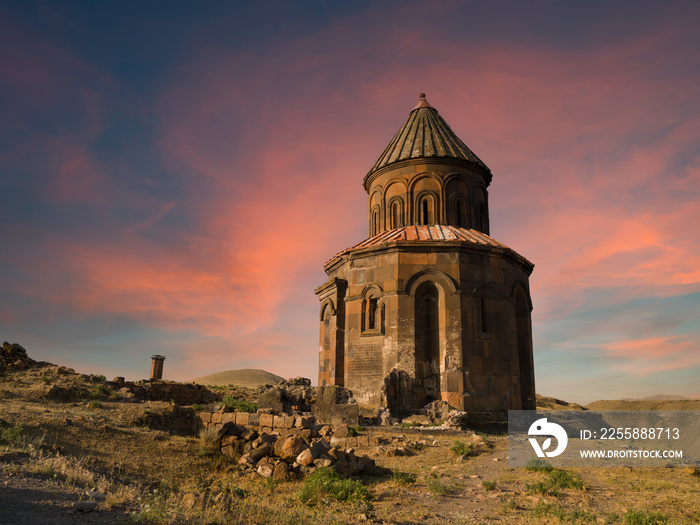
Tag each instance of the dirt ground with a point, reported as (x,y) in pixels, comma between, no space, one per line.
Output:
(140,471)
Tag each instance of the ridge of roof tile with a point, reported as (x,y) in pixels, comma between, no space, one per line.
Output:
(437,232)
(425,134)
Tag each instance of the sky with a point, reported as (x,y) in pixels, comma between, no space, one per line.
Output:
(174,175)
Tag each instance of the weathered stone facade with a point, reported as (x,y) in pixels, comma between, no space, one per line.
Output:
(429,306)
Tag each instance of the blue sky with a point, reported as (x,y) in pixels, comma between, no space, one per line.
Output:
(175,174)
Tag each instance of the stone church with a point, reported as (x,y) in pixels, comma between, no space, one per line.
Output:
(429,306)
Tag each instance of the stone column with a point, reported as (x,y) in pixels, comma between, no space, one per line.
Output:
(157,367)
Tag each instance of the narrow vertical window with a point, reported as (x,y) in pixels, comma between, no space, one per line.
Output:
(395,215)
(460,216)
(372,314)
(484,323)
(424,212)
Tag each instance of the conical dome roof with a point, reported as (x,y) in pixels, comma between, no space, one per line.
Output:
(425,134)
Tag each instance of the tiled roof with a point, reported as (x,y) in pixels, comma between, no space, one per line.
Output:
(425,134)
(413,234)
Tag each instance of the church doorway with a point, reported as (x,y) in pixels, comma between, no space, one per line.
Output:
(427,318)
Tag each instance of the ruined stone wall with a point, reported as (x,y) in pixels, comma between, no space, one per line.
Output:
(179,393)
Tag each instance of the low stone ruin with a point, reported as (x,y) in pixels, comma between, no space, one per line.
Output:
(289,395)
(283,446)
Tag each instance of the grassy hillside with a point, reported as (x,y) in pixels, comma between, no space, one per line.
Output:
(248,377)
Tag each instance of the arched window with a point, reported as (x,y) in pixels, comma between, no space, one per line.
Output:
(372,313)
(426,210)
(459,215)
(327,329)
(374,226)
(396,213)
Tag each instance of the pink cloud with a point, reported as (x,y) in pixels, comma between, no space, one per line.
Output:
(651,355)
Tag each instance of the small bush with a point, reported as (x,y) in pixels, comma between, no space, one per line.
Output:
(326,483)
(100,379)
(511,504)
(197,407)
(438,488)
(537,488)
(564,480)
(641,517)
(488,485)
(538,465)
(208,444)
(401,478)
(240,405)
(95,404)
(461,448)
(11,436)
(101,391)
(353,431)
(543,509)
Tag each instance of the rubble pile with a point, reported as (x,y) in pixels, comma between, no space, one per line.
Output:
(14,357)
(294,394)
(286,455)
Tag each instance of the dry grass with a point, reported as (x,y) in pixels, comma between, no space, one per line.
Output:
(151,476)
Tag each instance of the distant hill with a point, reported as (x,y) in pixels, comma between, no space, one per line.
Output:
(552,403)
(660,397)
(657,402)
(248,377)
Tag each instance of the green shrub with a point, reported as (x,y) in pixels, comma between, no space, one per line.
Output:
(641,517)
(550,509)
(326,483)
(564,480)
(197,407)
(555,480)
(240,405)
(461,448)
(353,431)
(11,436)
(538,464)
(537,488)
(95,404)
(100,379)
(438,488)
(401,478)
(101,391)
(488,485)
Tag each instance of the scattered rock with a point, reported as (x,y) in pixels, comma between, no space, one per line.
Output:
(96,495)
(84,506)
(456,420)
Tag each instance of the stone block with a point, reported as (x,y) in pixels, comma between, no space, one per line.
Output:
(254,420)
(289,421)
(266,420)
(278,422)
(229,417)
(216,417)
(340,430)
(205,417)
(242,418)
